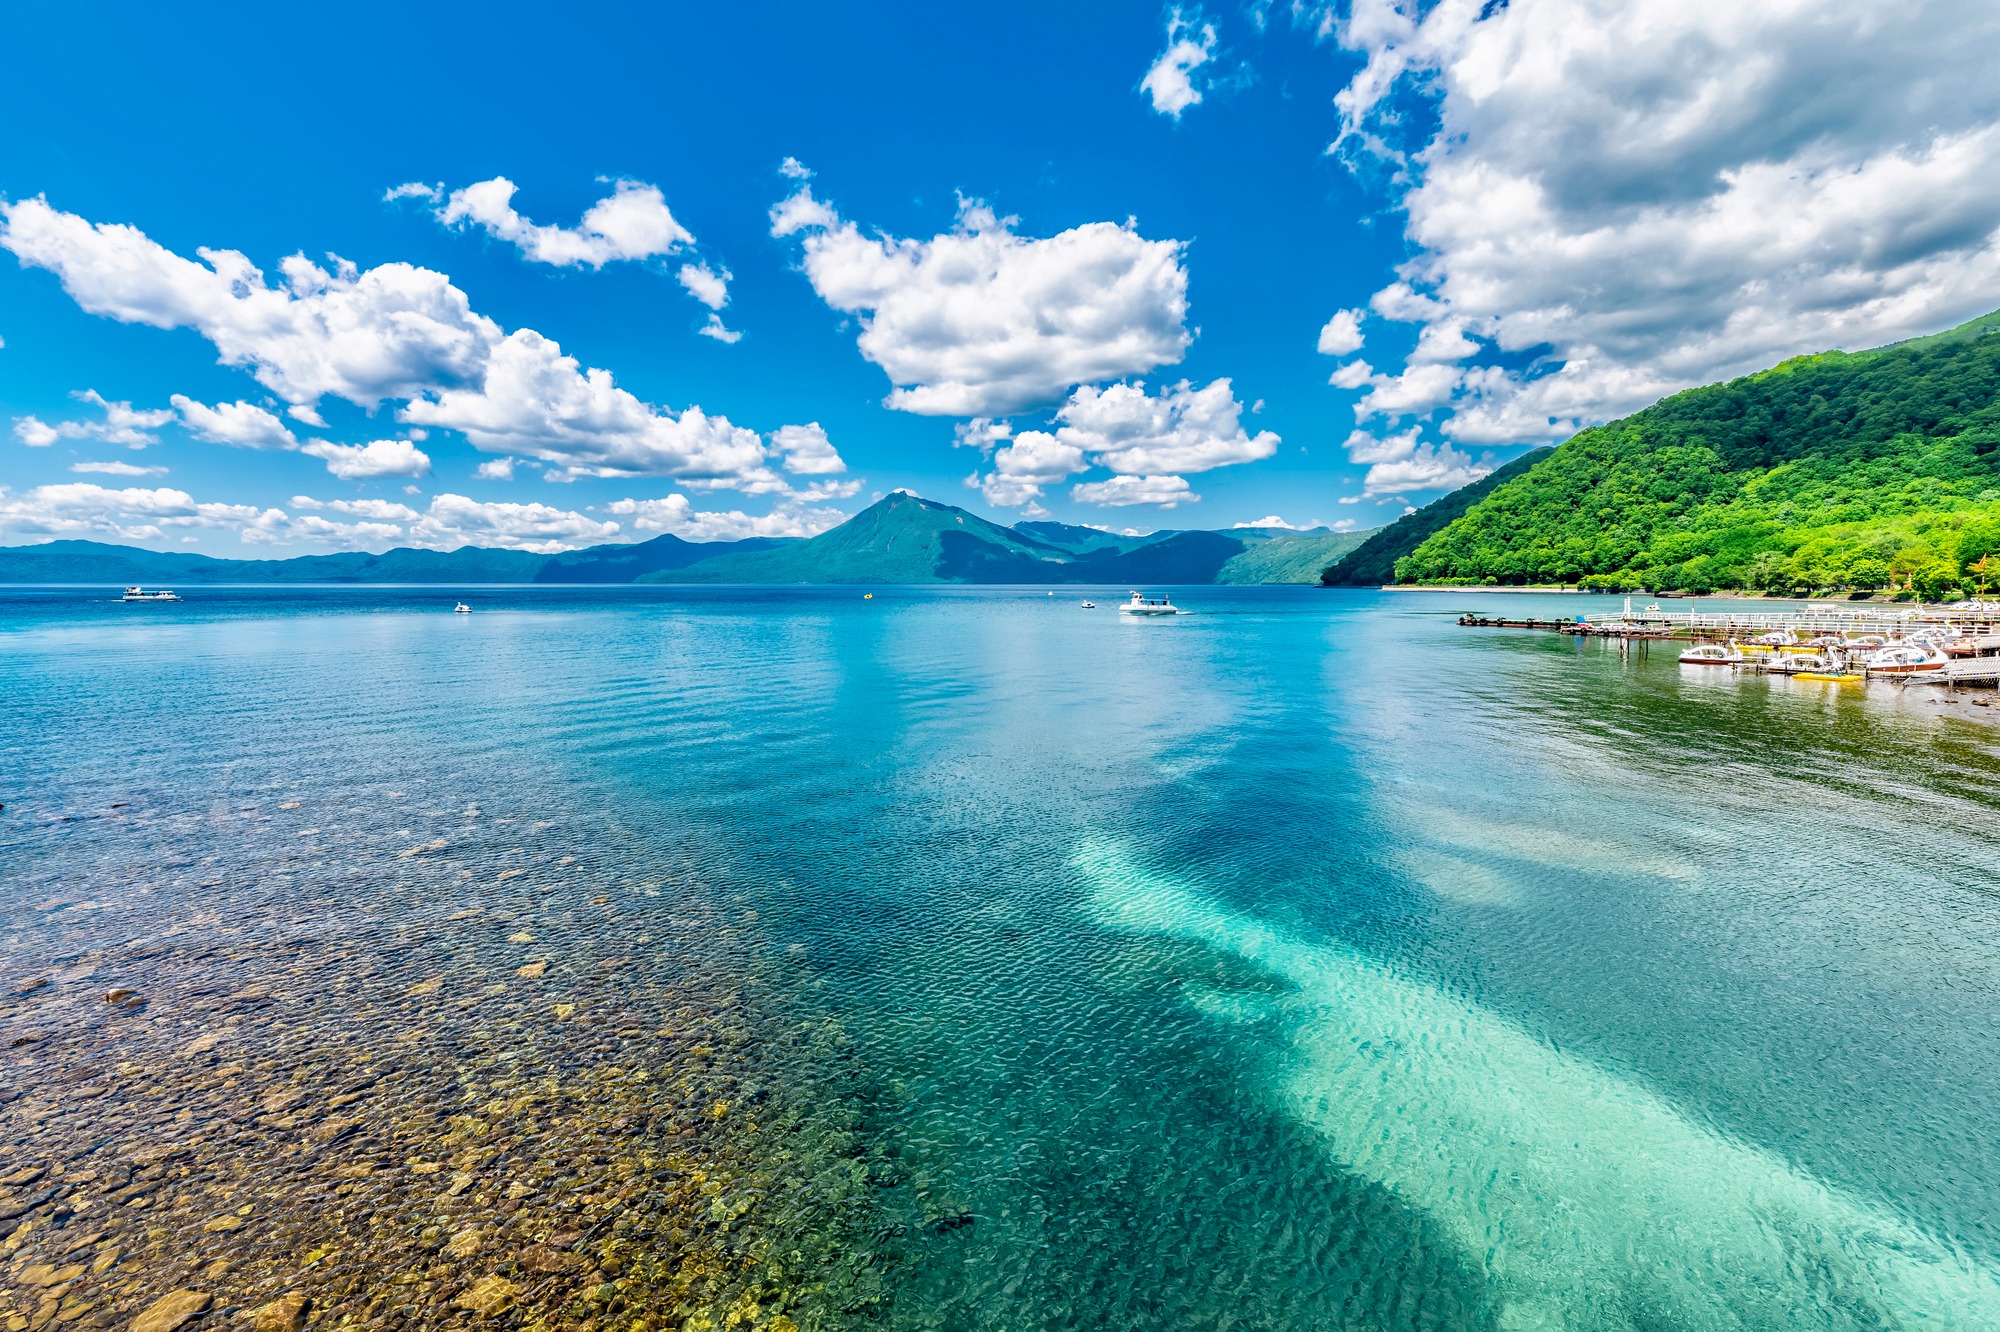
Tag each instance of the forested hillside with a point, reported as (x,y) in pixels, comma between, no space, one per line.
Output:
(1839,470)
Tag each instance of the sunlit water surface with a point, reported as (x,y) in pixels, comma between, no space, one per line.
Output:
(1306,961)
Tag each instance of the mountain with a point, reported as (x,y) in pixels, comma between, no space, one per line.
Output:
(899,539)
(1373,562)
(1840,470)
(906,539)
(625,564)
(98,562)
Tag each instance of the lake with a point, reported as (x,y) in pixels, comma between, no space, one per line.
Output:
(961,958)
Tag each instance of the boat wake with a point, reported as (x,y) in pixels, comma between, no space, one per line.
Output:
(1590,1201)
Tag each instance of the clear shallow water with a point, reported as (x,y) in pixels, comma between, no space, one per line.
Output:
(1307,961)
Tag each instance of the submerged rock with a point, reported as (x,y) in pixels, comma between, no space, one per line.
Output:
(172,1310)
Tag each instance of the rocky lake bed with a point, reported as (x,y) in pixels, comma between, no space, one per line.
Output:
(374,1058)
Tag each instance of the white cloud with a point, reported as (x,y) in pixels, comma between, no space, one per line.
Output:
(453,521)
(1170,82)
(122,424)
(807,451)
(116,469)
(1657,197)
(1346,525)
(1183,429)
(706,285)
(391,332)
(1033,459)
(1165,491)
(364,462)
(306,415)
(85,509)
(533,401)
(983,322)
(1402,461)
(243,424)
(676,514)
(1273,521)
(723,334)
(388,332)
(379,510)
(1352,375)
(495,469)
(415,189)
(794,169)
(633,222)
(1342,334)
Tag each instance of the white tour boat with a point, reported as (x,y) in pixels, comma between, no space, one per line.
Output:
(1090,605)
(141,594)
(1139,605)
(1712,654)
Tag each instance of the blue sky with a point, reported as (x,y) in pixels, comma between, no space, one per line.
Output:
(1534,216)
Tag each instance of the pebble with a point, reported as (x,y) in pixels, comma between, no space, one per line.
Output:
(172,1310)
(284,1314)
(488,1296)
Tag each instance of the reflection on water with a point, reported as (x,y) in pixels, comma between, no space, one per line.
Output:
(720,957)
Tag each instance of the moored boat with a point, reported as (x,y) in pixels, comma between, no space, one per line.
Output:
(1712,654)
(1908,659)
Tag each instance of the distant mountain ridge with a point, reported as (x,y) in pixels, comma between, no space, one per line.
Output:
(899,539)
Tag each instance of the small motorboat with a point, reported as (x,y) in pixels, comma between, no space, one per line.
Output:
(141,594)
(1830,676)
(1908,659)
(1712,654)
(1140,605)
(461,609)
(1090,605)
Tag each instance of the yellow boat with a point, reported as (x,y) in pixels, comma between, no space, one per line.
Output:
(1828,676)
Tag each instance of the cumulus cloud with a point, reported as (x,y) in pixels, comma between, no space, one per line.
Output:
(1117,491)
(243,424)
(115,469)
(394,332)
(415,189)
(677,514)
(379,510)
(1342,334)
(1033,459)
(121,424)
(1123,428)
(983,322)
(633,222)
(721,332)
(1182,429)
(367,462)
(454,520)
(1403,461)
(495,469)
(536,402)
(706,285)
(1171,81)
(1642,200)
(85,509)
(1273,521)
(35,432)
(807,451)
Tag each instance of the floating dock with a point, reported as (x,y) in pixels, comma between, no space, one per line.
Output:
(1974,652)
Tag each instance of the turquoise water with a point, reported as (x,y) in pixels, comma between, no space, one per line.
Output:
(1303,962)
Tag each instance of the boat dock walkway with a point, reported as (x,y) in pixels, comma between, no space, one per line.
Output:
(1766,638)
